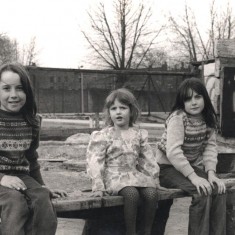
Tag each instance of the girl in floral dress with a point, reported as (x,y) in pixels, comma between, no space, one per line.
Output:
(121,162)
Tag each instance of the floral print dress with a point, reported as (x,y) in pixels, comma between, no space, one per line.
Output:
(115,161)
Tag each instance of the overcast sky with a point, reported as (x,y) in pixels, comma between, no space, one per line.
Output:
(56,24)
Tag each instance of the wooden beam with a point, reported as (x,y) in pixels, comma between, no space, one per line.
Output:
(86,202)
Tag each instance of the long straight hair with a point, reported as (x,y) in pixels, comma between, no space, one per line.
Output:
(124,96)
(183,94)
(29,110)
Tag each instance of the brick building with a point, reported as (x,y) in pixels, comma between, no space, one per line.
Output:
(78,90)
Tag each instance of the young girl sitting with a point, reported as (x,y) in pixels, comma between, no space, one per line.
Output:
(24,199)
(121,162)
(187,156)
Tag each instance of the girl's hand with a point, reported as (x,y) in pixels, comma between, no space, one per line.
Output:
(201,184)
(56,193)
(97,194)
(159,187)
(13,182)
(213,179)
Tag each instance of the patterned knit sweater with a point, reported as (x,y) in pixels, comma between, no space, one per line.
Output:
(187,142)
(18,144)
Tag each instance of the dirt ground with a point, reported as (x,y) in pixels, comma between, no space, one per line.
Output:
(57,176)
(177,223)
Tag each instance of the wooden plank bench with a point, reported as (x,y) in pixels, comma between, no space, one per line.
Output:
(100,213)
(105,215)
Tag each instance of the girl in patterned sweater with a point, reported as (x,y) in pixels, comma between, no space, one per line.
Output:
(24,199)
(121,162)
(187,156)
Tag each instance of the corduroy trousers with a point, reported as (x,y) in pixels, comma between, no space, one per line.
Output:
(207,214)
(28,213)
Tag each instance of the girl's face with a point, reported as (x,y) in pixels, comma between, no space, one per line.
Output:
(120,114)
(12,95)
(194,105)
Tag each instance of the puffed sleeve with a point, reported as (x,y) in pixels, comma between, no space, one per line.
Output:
(210,153)
(95,157)
(147,163)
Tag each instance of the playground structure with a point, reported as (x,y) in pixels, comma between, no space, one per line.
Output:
(100,212)
(219,77)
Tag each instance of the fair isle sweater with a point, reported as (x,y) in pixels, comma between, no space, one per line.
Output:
(187,142)
(18,145)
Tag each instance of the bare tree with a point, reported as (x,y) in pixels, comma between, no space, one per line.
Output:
(124,42)
(187,34)
(29,53)
(213,15)
(222,25)
(225,24)
(154,58)
(190,43)
(8,49)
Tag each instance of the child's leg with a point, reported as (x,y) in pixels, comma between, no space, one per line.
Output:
(199,215)
(43,220)
(201,208)
(199,211)
(216,212)
(131,199)
(149,196)
(207,215)
(14,211)
(218,215)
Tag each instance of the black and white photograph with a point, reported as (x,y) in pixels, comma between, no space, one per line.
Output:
(117,117)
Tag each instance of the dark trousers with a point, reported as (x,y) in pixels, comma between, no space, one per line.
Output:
(30,213)
(207,214)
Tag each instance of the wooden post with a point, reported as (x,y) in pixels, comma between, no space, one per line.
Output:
(82,94)
(149,95)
